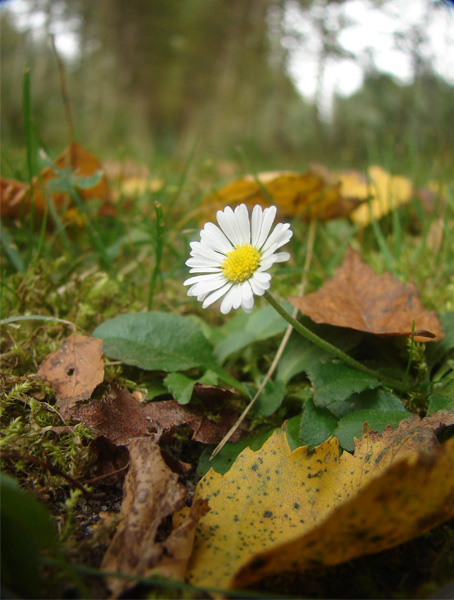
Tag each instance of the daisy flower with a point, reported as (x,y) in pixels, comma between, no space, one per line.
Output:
(235,257)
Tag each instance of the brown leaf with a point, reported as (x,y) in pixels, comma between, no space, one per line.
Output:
(358,298)
(169,415)
(151,494)
(84,164)
(309,195)
(12,195)
(119,416)
(74,370)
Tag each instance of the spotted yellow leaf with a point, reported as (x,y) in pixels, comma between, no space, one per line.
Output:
(277,511)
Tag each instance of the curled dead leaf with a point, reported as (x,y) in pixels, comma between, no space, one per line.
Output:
(358,298)
(151,493)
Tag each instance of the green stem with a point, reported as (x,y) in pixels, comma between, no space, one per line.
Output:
(324,345)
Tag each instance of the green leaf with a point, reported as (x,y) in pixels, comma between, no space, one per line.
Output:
(376,399)
(155,341)
(180,386)
(436,351)
(437,402)
(222,462)
(27,529)
(244,329)
(443,397)
(270,399)
(317,424)
(300,354)
(351,425)
(292,430)
(335,381)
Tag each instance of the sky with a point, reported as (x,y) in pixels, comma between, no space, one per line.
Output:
(380,38)
(373,36)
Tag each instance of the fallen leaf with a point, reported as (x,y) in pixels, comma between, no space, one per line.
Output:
(120,417)
(151,493)
(12,196)
(277,511)
(358,298)
(169,415)
(74,370)
(309,195)
(85,164)
(385,193)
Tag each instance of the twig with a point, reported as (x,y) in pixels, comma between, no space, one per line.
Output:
(52,469)
(288,331)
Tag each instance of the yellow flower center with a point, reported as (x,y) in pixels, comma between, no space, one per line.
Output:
(241,263)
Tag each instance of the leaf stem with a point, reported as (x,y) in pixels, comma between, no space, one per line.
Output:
(324,345)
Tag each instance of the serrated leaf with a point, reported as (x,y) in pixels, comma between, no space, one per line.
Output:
(317,425)
(300,354)
(155,341)
(335,381)
(376,399)
(270,399)
(222,462)
(351,426)
(180,386)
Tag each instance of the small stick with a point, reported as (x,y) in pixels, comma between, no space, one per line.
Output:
(52,469)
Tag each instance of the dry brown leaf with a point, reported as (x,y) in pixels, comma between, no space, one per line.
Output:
(151,493)
(12,196)
(279,511)
(119,416)
(169,415)
(309,195)
(74,370)
(358,298)
(84,164)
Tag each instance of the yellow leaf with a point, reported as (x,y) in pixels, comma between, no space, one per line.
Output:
(313,194)
(386,192)
(277,511)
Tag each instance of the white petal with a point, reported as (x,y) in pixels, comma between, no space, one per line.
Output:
(202,250)
(205,270)
(200,261)
(208,286)
(257,287)
(247,300)
(267,220)
(261,278)
(216,295)
(281,257)
(280,236)
(228,224)
(256,224)
(198,278)
(215,238)
(229,299)
(244,227)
